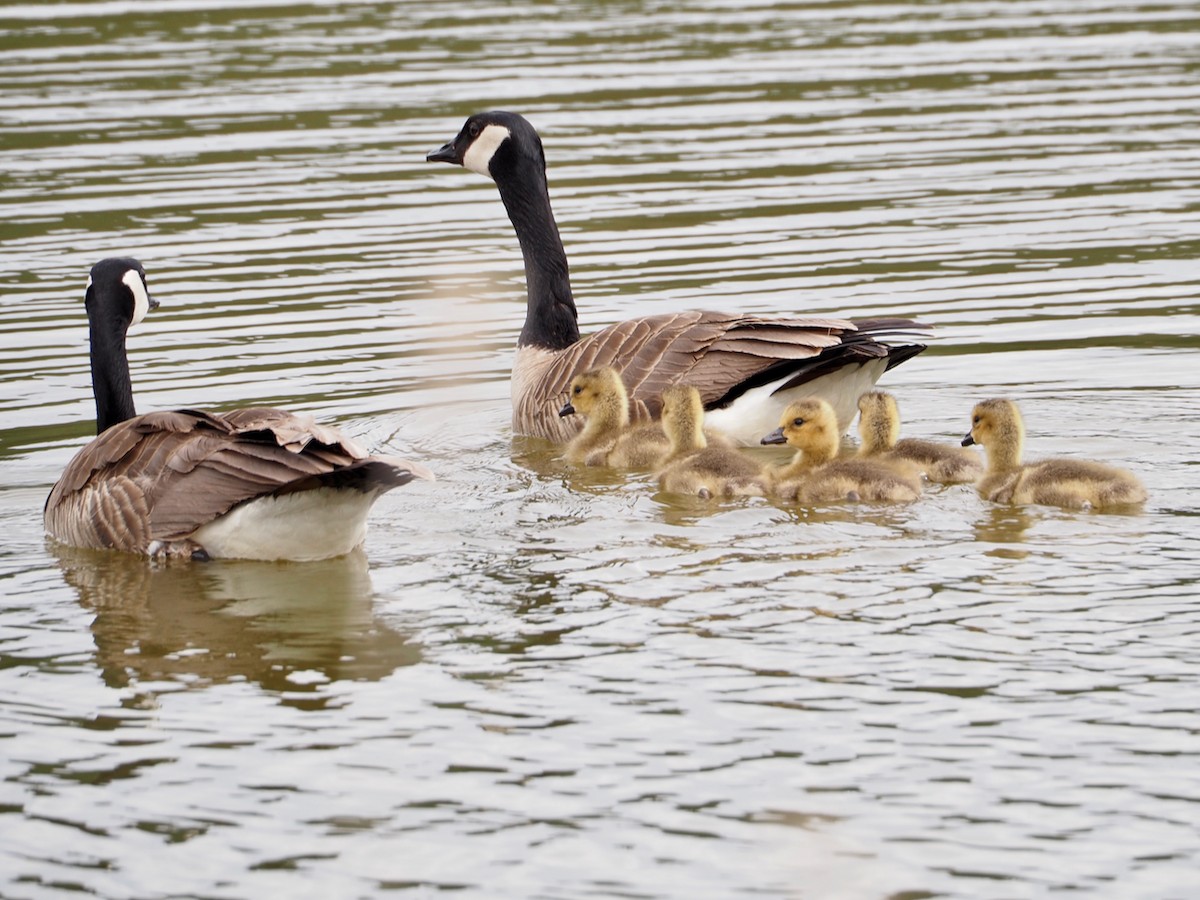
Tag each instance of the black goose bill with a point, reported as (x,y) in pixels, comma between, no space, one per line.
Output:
(775,437)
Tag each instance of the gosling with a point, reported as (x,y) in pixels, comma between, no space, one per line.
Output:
(694,466)
(600,397)
(996,426)
(879,429)
(815,475)
(609,438)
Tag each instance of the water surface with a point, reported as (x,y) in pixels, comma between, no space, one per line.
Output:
(542,682)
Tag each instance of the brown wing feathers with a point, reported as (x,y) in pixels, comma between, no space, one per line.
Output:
(162,475)
(712,351)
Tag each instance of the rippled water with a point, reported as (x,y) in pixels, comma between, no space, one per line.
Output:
(540,682)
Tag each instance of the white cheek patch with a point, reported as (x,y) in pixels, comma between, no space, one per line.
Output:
(89,284)
(141,298)
(479,155)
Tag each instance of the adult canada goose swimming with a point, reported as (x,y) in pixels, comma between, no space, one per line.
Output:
(255,483)
(692,465)
(996,425)
(816,475)
(747,368)
(879,431)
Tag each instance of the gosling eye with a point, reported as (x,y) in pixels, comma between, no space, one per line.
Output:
(797,422)
(975,421)
(577,390)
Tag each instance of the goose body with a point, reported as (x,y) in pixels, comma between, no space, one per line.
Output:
(694,466)
(997,426)
(256,483)
(879,432)
(746,368)
(816,475)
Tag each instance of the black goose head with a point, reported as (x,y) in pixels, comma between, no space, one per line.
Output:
(117,292)
(116,298)
(494,144)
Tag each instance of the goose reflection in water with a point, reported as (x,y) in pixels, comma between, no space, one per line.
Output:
(288,627)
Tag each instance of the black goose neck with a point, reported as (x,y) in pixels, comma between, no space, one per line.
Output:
(550,318)
(110,374)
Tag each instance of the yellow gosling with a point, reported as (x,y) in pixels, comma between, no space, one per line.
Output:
(816,475)
(608,438)
(694,466)
(879,430)
(641,447)
(996,425)
(600,397)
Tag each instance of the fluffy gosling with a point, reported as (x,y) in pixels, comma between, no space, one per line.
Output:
(879,430)
(599,396)
(692,465)
(609,438)
(996,425)
(816,475)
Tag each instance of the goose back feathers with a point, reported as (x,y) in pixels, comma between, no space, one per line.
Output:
(148,484)
(725,357)
(746,368)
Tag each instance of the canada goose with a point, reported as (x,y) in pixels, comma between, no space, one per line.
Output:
(879,428)
(255,483)
(746,368)
(996,426)
(815,475)
(691,465)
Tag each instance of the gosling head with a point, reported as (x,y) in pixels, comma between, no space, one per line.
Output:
(878,421)
(996,426)
(809,425)
(598,390)
(493,144)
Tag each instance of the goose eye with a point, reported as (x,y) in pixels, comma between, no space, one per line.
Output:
(473,129)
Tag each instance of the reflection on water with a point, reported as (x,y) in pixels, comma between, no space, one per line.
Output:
(1003,526)
(288,627)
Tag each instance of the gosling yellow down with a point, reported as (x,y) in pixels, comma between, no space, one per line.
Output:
(816,475)
(693,465)
(879,431)
(608,438)
(996,425)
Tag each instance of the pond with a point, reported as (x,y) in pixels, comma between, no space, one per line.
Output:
(542,681)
